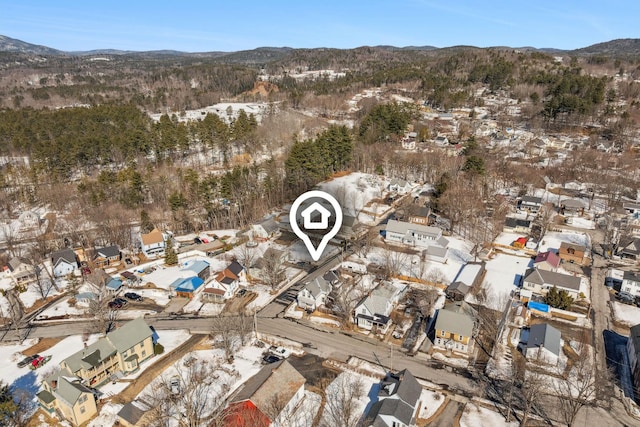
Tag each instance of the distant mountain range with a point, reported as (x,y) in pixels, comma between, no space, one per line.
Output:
(619,47)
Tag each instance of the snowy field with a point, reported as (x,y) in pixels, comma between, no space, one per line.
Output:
(222,110)
(625,313)
(347,381)
(478,416)
(553,239)
(431,402)
(503,274)
(355,190)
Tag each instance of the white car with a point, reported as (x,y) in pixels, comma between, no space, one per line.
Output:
(282,352)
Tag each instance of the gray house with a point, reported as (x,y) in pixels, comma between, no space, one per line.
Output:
(314,294)
(398,401)
(540,281)
(541,344)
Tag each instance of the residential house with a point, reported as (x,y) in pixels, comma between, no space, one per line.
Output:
(517,225)
(572,206)
(548,260)
(399,186)
(21,270)
(265,229)
(269,398)
(228,281)
(64,262)
(121,351)
(133,414)
(633,351)
(572,253)
(114,285)
(470,275)
(419,215)
(631,207)
(613,279)
(455,327)
(314,294)
(631,283)
(199,268)
(541,343)
(629,248)
(152,244)
(436,253)
(270,257)
(530,203)
(186,287)
(398,401)
(108,255)
(540,281)
(441,140)
(414,234)
(66,395)
(85,298)
(374,309)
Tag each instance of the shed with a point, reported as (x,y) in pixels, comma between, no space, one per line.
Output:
(114,285)
(186,287)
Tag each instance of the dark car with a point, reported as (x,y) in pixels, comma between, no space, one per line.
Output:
(133,296)
(241,292)
(270,358)
(114,305)
(27,360)
(121,301)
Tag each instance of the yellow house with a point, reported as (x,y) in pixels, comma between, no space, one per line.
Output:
(455,327)
(120,352)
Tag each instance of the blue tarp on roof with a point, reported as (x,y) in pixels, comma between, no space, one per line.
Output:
(188,284)
(538,306)
(114,284)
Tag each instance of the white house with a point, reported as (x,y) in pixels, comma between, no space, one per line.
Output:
(399,186)
(314,294)
(152,244)
(64,262)
(265,229)
(540,281)
(631,283)
(411,234)
(21,271)
(229,280)
(375,308)
(398,401)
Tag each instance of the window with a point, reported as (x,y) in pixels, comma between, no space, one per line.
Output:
(442,333)
(142,345)
(144,353)
(82,410)
(83,398)
(460,337)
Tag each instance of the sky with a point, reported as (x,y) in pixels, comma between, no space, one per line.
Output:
(215,25)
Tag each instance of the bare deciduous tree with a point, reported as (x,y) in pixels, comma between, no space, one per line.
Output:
(577,388)
(104,317)
(228,332)
(272,270)
(191,398)
(394,262)
(342,397)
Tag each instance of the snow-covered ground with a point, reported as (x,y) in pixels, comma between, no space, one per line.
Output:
(502,277)
(222,110)
(431,401)
(625,313)
(553,239)
(478,416)
(347,381)
(355,190)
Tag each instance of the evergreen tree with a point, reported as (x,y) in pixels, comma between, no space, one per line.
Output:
(170,255)
(558,299)
(7,404)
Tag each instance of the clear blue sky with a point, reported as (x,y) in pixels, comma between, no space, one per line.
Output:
(228,25)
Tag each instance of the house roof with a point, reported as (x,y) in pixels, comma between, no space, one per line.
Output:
(401,227)
(108,251)
(16,262)
(86,296)
(398,182)
(401,384)
(131,413)
(517,222)
(629,245)
(377,302)
(245,414)
(458,287)
(420,211)
(468,273)
(318,286)
(573,203)
(152,237)
(385,408)
(532,200)
(457,318)
(437,251)
(114,284)
(70,389)
(66,255)
(235,267)
(269,225)
(543,335)
(549,257)
(277,380)
(214,291)
(86,358)
(544,277)
(564,246)
(186,284)
(198,266)
(631,276)
(129,334)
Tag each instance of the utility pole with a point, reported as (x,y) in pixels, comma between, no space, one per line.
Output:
(255,322)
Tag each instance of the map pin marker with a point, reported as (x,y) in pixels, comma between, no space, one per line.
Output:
(310,224)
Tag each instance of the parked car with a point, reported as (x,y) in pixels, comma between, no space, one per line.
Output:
(24,362)
(121,301)
(39,361)
(241,292)
(625,298)
(281,352)
(115,305)
(133,296)
(270,358)
(174,385)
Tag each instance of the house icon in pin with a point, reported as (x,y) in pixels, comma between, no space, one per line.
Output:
(311,219)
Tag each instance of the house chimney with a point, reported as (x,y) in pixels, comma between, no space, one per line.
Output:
(85,344)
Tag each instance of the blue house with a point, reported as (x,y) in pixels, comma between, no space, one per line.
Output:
(186,287)
(114,285)
(200,268)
